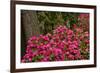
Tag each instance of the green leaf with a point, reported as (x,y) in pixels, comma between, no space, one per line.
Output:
(52,57)
(68,24)
(36,58)
(40,56)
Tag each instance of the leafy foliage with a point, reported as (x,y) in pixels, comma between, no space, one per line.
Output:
(49,20)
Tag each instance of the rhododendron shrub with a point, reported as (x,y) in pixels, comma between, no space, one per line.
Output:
(63,44)
(82,31)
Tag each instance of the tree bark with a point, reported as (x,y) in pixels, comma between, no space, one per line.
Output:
(30,23)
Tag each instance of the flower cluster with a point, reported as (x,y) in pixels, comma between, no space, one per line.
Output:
(82,32)
(63,44)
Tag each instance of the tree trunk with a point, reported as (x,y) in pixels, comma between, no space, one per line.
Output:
(30,23)
(29,27)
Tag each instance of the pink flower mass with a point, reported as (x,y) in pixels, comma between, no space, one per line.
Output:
(62,45)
